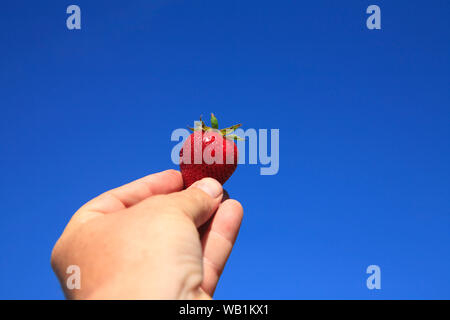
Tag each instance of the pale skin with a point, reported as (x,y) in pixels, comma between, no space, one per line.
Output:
(150,239)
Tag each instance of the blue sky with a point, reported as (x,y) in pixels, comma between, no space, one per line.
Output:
(364,133)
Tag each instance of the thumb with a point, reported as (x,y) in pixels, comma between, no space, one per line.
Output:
(199,201)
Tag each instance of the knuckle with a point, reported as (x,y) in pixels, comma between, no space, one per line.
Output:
(188,203)
(199,198)
(191,198)
(171,205)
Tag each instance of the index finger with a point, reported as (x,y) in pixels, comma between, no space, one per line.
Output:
(134,192)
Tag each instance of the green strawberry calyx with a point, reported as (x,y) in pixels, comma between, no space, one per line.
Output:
(226,132)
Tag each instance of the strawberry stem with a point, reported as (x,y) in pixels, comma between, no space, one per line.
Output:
(214,122)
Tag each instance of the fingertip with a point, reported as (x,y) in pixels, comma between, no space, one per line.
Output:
(228,218)
(170,177)
(235,205)
(172,173)
(210,186)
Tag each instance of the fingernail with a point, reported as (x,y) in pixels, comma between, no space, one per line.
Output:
(210,186)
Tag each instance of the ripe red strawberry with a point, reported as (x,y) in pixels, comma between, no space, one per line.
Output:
(209,152)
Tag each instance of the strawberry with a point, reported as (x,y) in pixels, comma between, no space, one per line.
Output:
(209,152)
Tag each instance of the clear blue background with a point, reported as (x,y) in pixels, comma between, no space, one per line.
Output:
(364,133)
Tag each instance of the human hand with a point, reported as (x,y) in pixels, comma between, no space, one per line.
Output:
(150,239)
